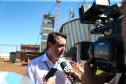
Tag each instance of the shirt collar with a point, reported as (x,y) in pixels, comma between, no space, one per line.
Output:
(44,57)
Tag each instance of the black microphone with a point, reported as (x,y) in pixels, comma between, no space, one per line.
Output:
(51,73)
(66,69)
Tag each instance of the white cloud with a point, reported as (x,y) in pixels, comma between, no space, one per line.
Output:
(4,54)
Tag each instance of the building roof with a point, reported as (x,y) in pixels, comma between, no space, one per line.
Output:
(49,15)
(31,46)
(66,23)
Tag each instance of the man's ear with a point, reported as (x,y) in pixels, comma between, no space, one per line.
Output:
(49,44)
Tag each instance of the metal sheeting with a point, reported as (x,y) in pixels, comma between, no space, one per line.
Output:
(48,26)
(48,30)
(12,56)
(44,37)
(77,32)
(44,43)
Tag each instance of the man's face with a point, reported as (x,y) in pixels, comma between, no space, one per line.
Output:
(59,47)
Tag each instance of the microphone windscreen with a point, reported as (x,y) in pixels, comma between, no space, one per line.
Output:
(63,64)
(65,68)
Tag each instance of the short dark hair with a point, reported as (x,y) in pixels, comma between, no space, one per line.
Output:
(52,37)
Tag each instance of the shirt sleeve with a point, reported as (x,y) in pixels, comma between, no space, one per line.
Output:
(26,80)
(30,72)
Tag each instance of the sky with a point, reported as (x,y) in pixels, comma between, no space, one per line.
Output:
(20,20)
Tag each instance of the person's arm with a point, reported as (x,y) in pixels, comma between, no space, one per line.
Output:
(89,76)
(30,72)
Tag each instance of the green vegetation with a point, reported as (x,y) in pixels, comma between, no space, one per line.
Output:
(98,72)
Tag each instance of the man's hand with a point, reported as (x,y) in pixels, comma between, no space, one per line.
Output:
(89,76)
(51,80)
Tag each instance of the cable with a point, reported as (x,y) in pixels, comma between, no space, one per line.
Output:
(40,29)
(52,7)
(42,24)
(77,6)
(111,2)
(73,11)
(39,35)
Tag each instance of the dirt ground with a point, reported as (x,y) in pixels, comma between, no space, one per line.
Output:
(15,67)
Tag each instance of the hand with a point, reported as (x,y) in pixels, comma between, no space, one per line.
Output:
(51,80)
(76,67)
(44,81)
(89,76)
(75,75)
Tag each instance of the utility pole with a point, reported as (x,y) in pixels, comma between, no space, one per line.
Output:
(57,21)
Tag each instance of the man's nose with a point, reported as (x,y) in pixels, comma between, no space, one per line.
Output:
(63,48)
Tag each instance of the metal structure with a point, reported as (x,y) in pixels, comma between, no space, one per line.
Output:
(47,27)
(57,21)
(71,13)
(41,31)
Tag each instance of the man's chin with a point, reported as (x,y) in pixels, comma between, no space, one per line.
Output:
(60,56)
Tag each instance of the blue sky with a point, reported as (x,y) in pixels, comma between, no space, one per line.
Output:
(20,20)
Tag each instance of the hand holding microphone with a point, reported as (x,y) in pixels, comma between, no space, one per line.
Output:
(50,74)
(51,80)
(66,69)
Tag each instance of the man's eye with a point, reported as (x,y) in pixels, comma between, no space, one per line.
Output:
(61,45)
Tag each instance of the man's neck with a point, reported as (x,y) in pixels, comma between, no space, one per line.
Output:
(51,58)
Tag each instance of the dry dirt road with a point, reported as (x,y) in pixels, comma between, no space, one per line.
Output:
(15,67)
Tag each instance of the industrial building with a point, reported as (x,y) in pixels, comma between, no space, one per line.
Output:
(26,54)
(47,27)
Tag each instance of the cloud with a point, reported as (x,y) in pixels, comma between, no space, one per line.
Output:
(5,54)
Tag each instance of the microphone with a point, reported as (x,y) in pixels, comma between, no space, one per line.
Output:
(51,73)
(66,69)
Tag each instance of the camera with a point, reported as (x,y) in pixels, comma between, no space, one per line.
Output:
(108,51)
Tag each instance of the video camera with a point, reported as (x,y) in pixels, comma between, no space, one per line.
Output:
(108,51)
